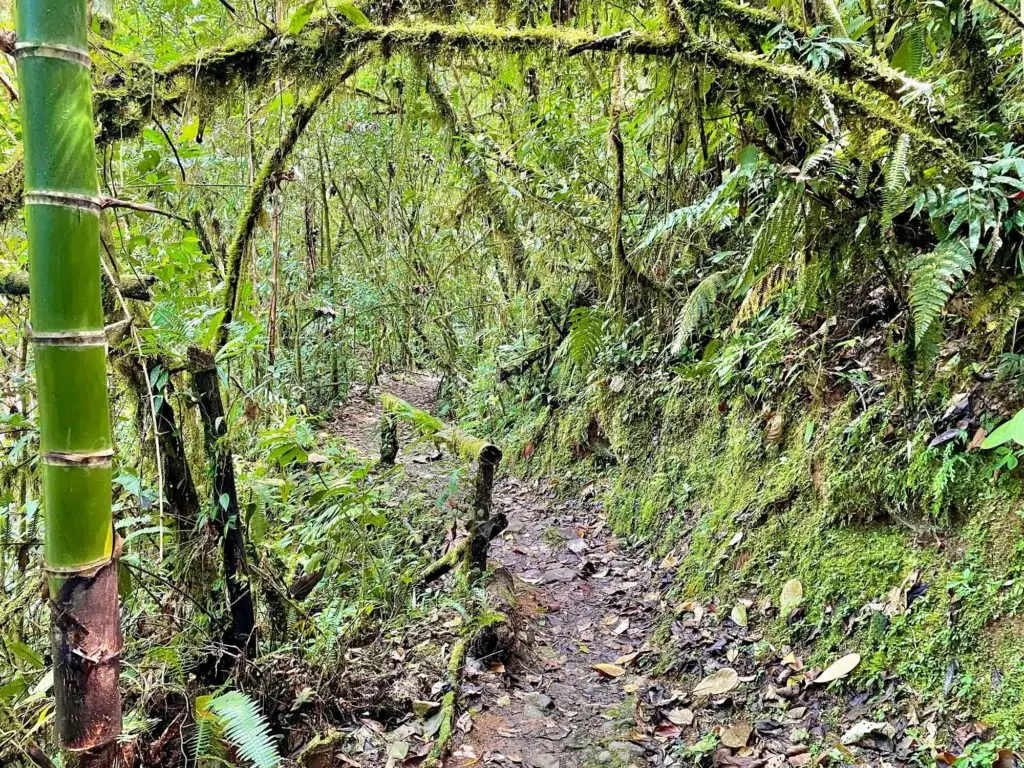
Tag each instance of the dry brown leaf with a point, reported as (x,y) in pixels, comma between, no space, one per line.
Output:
(736,735)
(610,670)
(717,683)
(839,669)
(627,659)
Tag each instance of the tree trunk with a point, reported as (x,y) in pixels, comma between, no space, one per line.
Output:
(179,486)
(228,520)
(62,219)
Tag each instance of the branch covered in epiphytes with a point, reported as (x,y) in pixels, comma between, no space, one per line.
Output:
(268,177)
(138,288)
(125,102)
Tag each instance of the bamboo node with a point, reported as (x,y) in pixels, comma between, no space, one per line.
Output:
(53,51)
(79,458)
(82,571)
(65,199)
(96,338)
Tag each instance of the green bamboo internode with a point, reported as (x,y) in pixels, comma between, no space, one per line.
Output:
(484,525)
(62,209)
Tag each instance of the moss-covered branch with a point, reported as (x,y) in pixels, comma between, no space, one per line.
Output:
(502,224)
(464,445)
(137,288)
(125,102)
(267,178)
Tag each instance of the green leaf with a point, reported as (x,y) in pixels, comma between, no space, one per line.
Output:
(351,12)
(1005,432)
(300,17)
(29,655)
(224,501)
(258,527)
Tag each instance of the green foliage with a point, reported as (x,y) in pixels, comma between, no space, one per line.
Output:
(586,331)
(897,177)
(697,308)
(1012,430)
(933,276)
(237,719)
(775,240)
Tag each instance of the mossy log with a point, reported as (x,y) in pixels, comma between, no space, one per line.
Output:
(464,445)
(449,703)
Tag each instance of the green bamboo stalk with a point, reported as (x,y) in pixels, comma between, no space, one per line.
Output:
(62,210)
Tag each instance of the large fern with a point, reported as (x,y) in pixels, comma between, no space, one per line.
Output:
(698,306)
(932,277)
(897,177)
(235,718)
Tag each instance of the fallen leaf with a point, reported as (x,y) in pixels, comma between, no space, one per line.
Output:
(736,735)
(736,538)
(627,659)
(866,728)
(680,716)
(839,669)
(610,670)
(977,440)
(792,595)
(739,614)
(717,683)
(399,750)
(667,731)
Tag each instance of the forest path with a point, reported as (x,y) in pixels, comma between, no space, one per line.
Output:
(581,601)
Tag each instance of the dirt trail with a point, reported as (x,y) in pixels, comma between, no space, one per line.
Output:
(582,602)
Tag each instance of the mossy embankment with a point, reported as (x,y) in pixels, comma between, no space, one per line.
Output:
(742,495)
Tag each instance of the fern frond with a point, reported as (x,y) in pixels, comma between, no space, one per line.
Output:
(697,307)
(932,277)
(586,329)
(246,728)
(201,740)
(897,177)
(823,157)
(762,293)
(909,57)
(775,238)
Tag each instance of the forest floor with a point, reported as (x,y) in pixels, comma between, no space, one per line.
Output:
(578,689)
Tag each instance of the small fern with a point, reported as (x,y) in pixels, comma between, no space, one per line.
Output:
(235,718)
(897,177)
(586,328)
(698,306)
(932,277)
